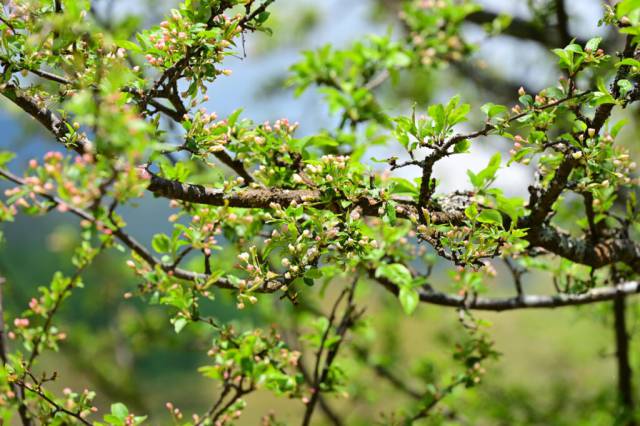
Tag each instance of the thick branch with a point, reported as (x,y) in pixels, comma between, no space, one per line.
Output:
(541,202)
(263,198)
(585,251)
(600,294)
(618,251)
(581,251)
(540,205)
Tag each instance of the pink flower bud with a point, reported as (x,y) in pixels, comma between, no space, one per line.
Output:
(21,322)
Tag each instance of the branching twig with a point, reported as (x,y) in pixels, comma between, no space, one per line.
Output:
(56,407)
(348,318)
(22,408)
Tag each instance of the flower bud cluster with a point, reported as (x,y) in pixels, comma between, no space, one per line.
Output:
(178,35)
(74,181)
(434,36)
(208,135)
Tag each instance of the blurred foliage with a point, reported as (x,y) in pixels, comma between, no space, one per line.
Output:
(130,332)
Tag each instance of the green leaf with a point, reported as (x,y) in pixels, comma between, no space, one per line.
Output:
(617,127)
(625,86)
(129,45)
(564,59)
(471,211)
(233,118)
(321,141)
(396,273)
(593,44)
(629,61)
(571,57)
(403,187)
(179,324)
(490,216)
(626,6)
(600,98)
(601,86)
(474,179)
(513,207)
(161,243)
(262,17)
(462,146)
(485,176)
(313,273)
(390,210)
(409,299)
(437,113)
(6,157)
(493,110)
(120,411)
(398,59)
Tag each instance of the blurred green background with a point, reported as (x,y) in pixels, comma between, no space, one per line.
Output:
(558,366)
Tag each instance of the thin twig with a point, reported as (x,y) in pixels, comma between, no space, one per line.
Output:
(57,407)
(348,318)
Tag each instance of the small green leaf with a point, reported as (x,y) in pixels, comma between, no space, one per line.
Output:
(398,59)
(409,299)
(403,187)
(233,118)
(396,273)
(129,45)
(493,110)
(161,243)
(462,146)
(179,324)
(617,127)
(485,176)
(629,62)
(313,274)
(626,6)
(6,157)
(119,410)
(625,86)
(490,216)
(390,211)
(471,211)
(592,44)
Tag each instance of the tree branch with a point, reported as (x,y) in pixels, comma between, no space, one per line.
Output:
(47,118)
(434,297)
(22,408)
(385,373)
(625,390)
(126,239)
(521,29)
(563,22)
(57,407)
(348,319)
(263,199)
